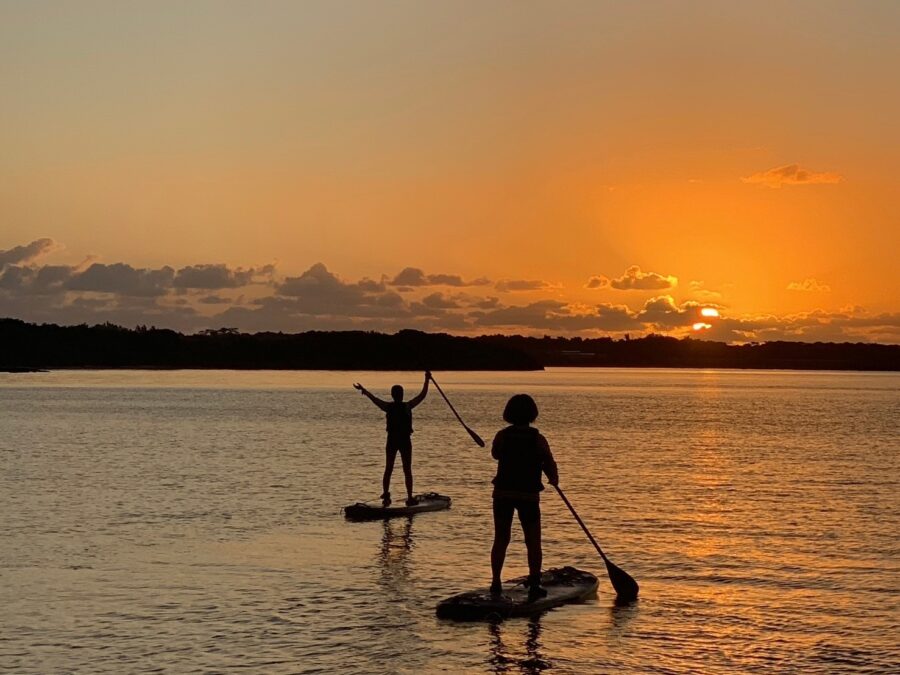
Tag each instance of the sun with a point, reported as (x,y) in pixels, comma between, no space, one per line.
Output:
(702,326)
(709,311)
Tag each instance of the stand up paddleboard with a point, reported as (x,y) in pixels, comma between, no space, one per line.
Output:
(375,510)
(564,584)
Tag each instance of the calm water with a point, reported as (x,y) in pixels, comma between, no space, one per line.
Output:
(190,522)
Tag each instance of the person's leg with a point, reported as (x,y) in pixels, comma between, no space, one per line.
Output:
(533,544)
(530,518)
(406,458)
(503,515)
(390,453)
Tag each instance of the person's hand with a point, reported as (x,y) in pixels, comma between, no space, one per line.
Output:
(428,375)
(357,386)
(554,482)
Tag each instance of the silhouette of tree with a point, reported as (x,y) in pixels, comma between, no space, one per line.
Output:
(24,345)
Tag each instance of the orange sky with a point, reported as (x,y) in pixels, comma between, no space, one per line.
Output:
(750,151)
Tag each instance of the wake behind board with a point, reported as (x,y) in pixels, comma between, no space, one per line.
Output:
(563,584)
(375,510)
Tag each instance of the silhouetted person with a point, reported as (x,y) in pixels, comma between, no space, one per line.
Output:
(399,432)
(522,454)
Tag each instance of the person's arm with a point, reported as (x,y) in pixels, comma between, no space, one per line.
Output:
(365,392)
(548,464)
(497,445)
(416,400)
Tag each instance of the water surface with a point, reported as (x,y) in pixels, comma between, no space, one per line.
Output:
(190,521)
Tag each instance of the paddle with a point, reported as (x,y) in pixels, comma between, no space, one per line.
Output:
(626,587)
(475,437)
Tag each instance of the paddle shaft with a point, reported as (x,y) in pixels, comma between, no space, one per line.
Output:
(581,522)
(474,436)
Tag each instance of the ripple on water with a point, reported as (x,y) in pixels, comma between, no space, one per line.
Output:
(147,525)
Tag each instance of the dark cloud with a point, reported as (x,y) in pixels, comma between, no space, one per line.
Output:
(68,308)
(214,277)
(514,285)
(188,300)
(413,277)
(389,299)
(664,313)
(25,254)
(371,286)
(51,278)
(635,279)
(289,315)
(46,280)
(850,325)
(214,300)
(560,316)
(490,302)
(15,278)
(318,291)
(123,279)
(439,301)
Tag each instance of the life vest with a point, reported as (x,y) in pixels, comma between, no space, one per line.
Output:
(399,419)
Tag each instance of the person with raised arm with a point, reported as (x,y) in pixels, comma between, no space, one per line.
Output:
(399,434)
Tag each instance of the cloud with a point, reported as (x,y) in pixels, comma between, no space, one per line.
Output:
(439,301)
(412,277)
(318,291)
(123,279)
(214,300)
(664,313)
(560,316)
(597,281)
(203,296)
(214,277)
(539,314)
(809,285)
(634,279)
(491,302)
(367,284)
(25,254)
(698,290)
(851,325)
(793,174)
(515,285)
(18,279)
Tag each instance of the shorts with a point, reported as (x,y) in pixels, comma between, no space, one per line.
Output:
(400,442)
(529,511)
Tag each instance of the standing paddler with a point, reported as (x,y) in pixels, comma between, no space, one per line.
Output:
(399,434)
(522,455)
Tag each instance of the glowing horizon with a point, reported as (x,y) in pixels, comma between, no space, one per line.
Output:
(601,168)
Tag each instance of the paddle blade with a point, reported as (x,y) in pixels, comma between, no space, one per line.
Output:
(475,437)
(626,587)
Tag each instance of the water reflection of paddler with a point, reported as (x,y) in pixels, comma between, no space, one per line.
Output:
(399,435)
(396,543)
(503,662)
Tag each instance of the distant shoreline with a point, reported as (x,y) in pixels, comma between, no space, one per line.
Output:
(29,371)
(32,348)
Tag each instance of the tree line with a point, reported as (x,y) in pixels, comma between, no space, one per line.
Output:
(26,346)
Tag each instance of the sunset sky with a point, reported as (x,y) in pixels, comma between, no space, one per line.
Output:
(568,168)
